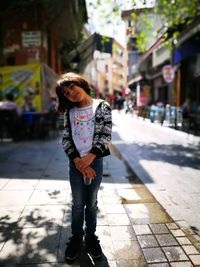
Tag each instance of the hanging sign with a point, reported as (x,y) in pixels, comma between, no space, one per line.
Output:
(168,73)
(31,38)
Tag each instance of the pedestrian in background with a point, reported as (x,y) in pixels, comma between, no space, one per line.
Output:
(9,104)
(28,104)
(10,118)
(86,137)
(186,108)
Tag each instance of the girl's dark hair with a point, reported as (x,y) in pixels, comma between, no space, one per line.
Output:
(67,80)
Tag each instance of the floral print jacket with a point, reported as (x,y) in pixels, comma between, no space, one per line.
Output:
(102,131)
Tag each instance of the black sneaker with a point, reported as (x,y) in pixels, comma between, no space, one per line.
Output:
(71,252)
(93,246)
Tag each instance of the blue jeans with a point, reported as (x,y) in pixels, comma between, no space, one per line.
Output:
(84,198)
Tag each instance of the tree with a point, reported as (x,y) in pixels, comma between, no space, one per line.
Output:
(174,15)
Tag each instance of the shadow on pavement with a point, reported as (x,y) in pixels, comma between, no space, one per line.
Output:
(29,240)
(34,239)
(179,155)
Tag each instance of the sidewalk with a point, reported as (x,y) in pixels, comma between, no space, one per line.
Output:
(166,160)
(133,227)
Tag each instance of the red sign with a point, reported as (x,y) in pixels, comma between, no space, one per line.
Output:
(168,73)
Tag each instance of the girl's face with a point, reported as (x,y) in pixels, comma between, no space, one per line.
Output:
(75,93)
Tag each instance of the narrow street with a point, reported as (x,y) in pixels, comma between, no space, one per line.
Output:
(166,160)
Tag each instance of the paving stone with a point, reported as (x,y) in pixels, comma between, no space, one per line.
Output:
(154,255)
(181,264)
(108,248)
(159,265)
(127,250)
(102,218)
(190,249)
(50,184)
(101,209)
(183,241)
(39,216)
(49,196)
(3,182)
(144,194)
(107,182)
(69,198)
(106,192)
(122,233)
(142,229)
(111,199)
(135,195)
(64,236)
(103,232)
(114,208)
(182,224)
(11,172)
(175,253)
(147,213)
(166,240)
(115,219)
(197,238)
(140,262)
(4,235)
(177,232)
(147,241)
(67,214)
(172,226)
(121,183)
(20,198)
(31,245)
(195,259)
(21,184)
(159,228)
(9,217)
(112,264)
(128,194)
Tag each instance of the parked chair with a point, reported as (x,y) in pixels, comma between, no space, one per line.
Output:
(52,118)
(9,120)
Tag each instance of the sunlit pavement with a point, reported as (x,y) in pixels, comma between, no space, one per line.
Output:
(166,160)
(134,229)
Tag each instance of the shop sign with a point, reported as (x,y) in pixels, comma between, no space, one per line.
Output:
(31,38)
(168,73)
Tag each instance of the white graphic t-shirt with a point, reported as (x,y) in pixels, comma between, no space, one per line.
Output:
(82,124)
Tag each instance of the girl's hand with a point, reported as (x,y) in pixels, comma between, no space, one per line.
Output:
(84,162)
(76,162)
(89,172)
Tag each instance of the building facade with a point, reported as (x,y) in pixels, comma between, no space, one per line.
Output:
(37,31)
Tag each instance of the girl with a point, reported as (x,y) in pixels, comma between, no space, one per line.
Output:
(85,140)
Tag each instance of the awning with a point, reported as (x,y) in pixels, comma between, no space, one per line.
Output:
(83,54)
(150,50)
(187,49)
(135,80)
